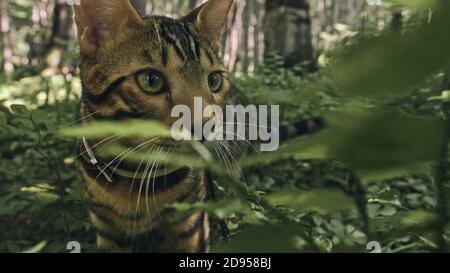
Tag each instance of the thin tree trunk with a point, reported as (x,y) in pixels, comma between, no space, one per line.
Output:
(258,34)
(62,23)
(5,27)
(246,17)
(397,19)
(288,32)
(61,33)
(2,46)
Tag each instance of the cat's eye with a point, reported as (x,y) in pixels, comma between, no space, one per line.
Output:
(151,82)
(215,82)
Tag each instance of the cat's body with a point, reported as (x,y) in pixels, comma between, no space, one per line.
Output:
(134,67)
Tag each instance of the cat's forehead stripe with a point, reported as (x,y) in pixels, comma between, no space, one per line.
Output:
(181,37)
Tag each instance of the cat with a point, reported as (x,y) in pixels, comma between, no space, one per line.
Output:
(135,67)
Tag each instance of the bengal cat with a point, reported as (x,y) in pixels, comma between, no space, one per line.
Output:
(135,67)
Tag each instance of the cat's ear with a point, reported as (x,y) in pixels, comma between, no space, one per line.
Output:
(100,20)
(210,18)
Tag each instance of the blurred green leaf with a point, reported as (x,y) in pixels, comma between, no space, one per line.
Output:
(307,147)
(376,144)
(321,200)
(20,110)
(325,244)
(389,65)
(381,144)
(131,128)
(172,159)
(418,219)
(415,4)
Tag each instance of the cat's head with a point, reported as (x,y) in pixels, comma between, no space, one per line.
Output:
(141,67)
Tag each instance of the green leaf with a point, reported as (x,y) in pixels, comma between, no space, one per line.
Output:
(415,4)
(307,147)
(320,200)
(389,65)
(418,219)
(382,144)
(323,243)
(37,248)
(376,144)
(131,128)
(172,159)
(20,110)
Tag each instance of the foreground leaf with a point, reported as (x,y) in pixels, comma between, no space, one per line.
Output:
(136,128)
(389,65)
(320,200)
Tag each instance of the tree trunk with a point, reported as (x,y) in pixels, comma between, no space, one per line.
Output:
(62,23)
(7,65)
(397,19)
(246,17)
(2,46)
(288,32)
(61,33)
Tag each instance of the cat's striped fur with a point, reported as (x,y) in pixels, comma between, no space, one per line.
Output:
(117,45)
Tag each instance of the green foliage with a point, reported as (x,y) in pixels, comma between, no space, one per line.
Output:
(103,129)
(388,65)
(369,175)
(41,202)
(415,4)
(301,97)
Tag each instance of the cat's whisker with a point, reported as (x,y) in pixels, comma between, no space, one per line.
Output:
(135,175)
(105,141)
(240,139)
(132,182)
(137,171)
(118,157)
(104,169)
(237,136)
(153,191)
(137,149)
(147,167)
(229,169)
(237,169)
(147,186)
(227,162)
(78,120)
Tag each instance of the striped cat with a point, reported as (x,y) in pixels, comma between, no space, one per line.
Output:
(135,67)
